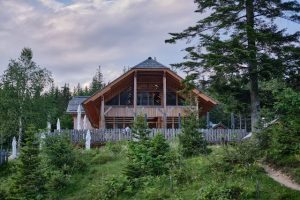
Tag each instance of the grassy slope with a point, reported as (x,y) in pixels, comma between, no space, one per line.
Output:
(103,164)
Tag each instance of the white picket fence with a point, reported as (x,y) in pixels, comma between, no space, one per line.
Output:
(105,135)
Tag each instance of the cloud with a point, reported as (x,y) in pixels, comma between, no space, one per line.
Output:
(71,38)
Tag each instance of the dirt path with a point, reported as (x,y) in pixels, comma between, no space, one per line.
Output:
(281,178)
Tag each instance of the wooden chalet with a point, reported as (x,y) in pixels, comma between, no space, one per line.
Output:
(149,89)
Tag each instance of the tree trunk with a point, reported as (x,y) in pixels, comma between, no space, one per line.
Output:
(20,134)
(252,66)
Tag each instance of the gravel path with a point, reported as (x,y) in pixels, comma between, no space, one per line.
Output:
(281,178)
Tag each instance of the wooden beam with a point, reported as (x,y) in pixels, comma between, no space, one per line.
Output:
(102,125)
(135,92)
(165,91)
(165,99)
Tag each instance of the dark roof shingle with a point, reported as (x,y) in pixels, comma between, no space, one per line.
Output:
(74,102)
(150,63)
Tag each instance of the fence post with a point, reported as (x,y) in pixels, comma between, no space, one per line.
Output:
(207,120)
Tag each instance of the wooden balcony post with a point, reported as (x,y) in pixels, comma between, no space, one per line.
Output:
(165,99)
(102,124)
(135,93)
(165,91)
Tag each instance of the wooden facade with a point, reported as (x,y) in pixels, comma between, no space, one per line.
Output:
(148,89)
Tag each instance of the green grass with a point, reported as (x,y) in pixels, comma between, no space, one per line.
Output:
(201,176)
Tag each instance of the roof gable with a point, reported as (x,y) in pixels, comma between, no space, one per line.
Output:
(74,102)
(149,63)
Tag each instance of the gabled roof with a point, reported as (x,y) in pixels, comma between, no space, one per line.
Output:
(92,104)
(74,102)
(149,63)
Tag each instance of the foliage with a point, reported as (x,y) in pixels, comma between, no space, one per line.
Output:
(191,140)
(97,82)
(240,44)
(140,130)
(22,85)
(146,156)
(110,187)
(280,141)
(116,148)
(29,180)
(61,155)
(224,192)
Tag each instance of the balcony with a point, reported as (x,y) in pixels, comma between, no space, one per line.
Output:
(151,111)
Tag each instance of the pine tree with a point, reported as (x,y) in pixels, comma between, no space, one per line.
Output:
(97,82)
(240,44)
(29,181)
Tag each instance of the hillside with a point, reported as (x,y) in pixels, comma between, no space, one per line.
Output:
(201,177)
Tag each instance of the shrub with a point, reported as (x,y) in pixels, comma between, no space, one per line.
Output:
(61,154)
(102,157)
(281,140)
(239,157)
(109,188)
(57,182)
(221,192)
(191,140)
(29,182)
(147,156)
(116,148)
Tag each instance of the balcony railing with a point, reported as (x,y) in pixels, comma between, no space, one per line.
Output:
(151,111)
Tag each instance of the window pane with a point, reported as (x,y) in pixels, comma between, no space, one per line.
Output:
(181,101)
(156,99)
(171,98)
(113,101)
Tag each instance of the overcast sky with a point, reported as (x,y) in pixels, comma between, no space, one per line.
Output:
(72,37)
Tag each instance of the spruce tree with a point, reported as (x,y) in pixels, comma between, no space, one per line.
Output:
(239,43)
(97,82)
(146,156)
(191,140)
(140,130)
(29,181)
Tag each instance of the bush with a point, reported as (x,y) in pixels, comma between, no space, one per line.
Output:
(116,148)
(147,156)
(109,188)
(281,141)
(57,182)
(191,140)
(29,181)
(221,192)
(239,157)
(61,154)
(150,157)
(103,157)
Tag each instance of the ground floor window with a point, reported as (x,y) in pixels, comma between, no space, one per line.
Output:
(118,122)
(153,122)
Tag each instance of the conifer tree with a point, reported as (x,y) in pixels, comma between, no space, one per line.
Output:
(29,181)
(239,43)
(191,140)
(97,82)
